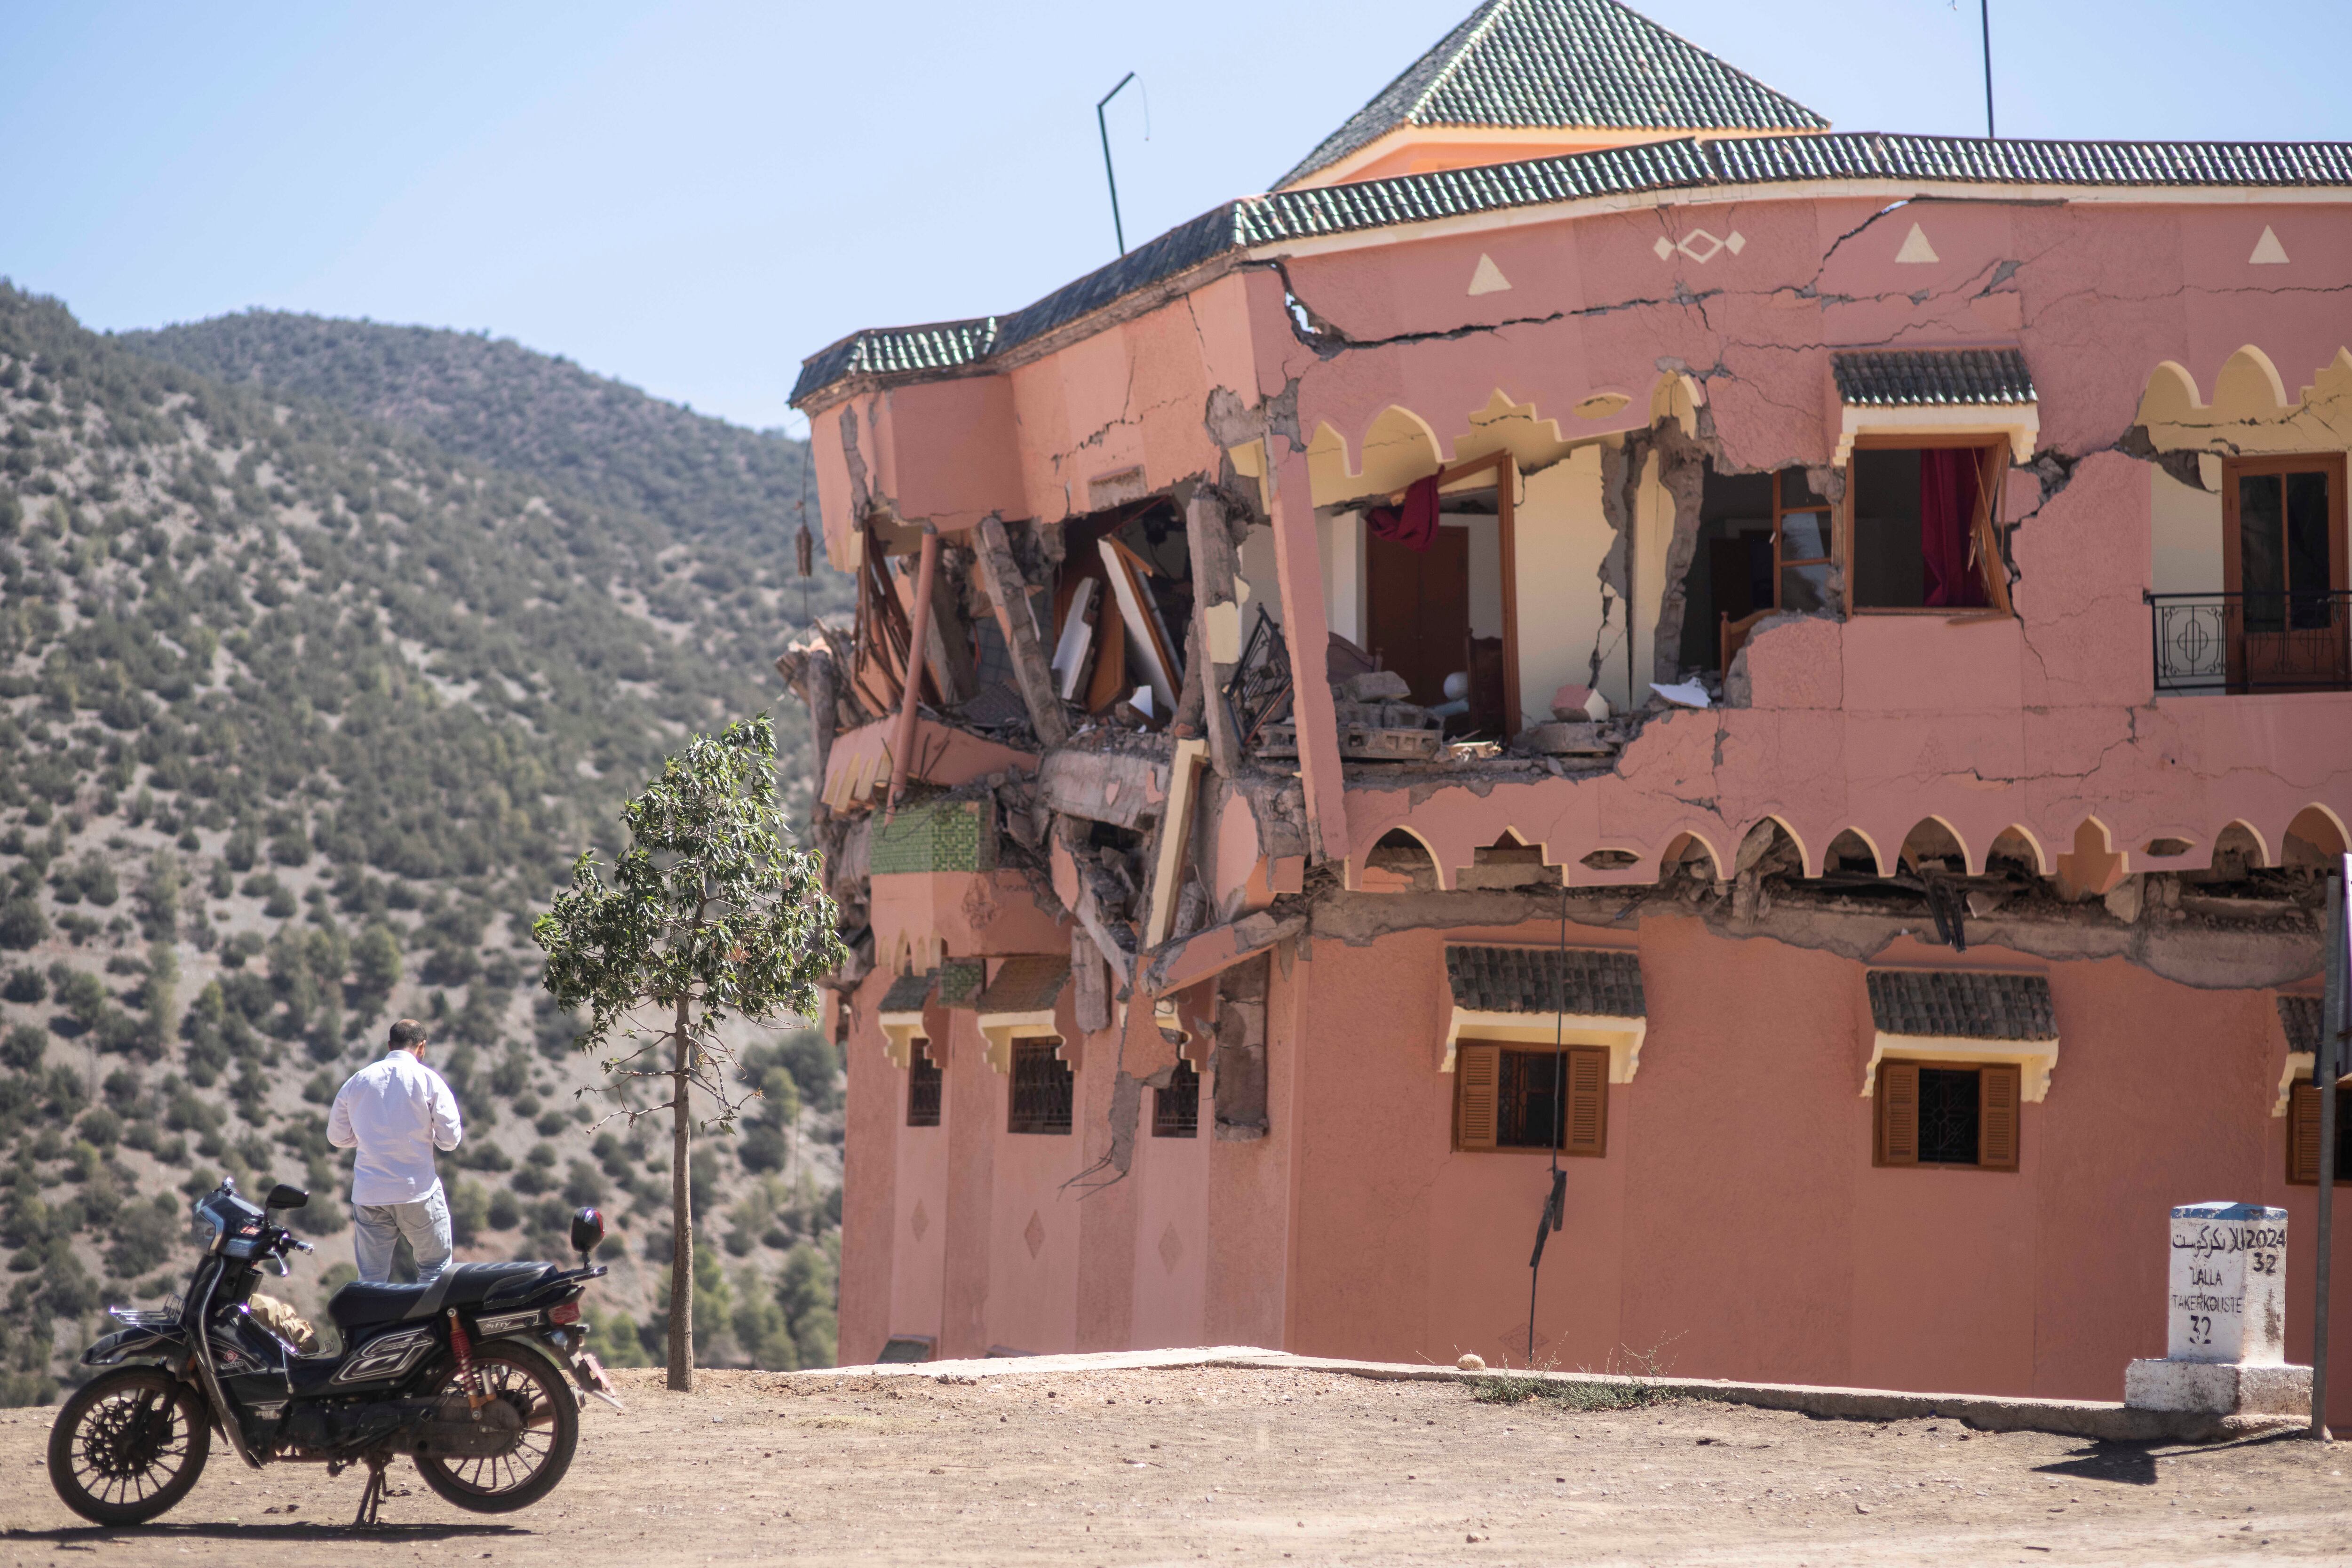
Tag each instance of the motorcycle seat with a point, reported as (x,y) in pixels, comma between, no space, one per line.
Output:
(357,1305)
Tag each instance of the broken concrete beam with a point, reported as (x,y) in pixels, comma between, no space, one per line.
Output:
(1373,686)
(1216,636)
(1118,787)
(1090,982)
(1568,739)
(1016,617)
(1188,961)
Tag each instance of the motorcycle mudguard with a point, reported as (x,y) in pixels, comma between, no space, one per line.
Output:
(145,1343)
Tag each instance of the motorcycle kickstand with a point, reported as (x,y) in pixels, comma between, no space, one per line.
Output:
(372,1498)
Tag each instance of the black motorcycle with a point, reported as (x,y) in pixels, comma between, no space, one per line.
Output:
(460,1374)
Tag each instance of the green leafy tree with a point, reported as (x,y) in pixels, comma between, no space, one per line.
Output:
(712,913)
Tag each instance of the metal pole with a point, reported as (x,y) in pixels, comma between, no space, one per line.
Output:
(2327,1054)
(1103,127)
(1984,12)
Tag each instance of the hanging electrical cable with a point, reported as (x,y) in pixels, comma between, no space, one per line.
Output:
(1555,1200)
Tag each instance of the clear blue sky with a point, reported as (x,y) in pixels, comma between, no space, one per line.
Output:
(692,196)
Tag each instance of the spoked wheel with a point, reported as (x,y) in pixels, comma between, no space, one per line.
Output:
(128,1446)
(532,1402)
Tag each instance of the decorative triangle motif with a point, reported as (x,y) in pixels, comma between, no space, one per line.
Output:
(1916,247)
(1489,278)
(2268,251)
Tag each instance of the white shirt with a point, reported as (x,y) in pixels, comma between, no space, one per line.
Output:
(395,1112)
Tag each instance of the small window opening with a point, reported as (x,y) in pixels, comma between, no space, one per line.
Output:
(1532,1098)
(1923,537)
(1042,1087)
(2303,1134)
(1948,1113)
(1176,1109)
(923,1081)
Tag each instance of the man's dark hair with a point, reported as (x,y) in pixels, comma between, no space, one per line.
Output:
(407,1035)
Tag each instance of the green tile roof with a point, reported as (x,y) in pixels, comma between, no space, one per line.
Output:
(1686,164)
(1931,377)
(1545,64)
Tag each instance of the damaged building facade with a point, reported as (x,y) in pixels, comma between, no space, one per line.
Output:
(1801,675)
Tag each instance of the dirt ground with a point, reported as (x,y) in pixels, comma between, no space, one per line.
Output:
(1125,1467)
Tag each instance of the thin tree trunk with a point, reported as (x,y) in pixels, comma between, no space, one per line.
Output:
(682,1201)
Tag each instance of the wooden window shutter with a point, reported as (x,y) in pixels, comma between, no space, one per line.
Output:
(1997,1098)
(1587,1131)
(1477,1069)
(2303,1134)
(1898,1113)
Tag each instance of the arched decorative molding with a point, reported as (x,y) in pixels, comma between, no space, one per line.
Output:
(1750,850)
(1933,837)
(1835,851)
(2242,837)
(2316,836)
(2249,386)
(2251,411)
(2094,867)
(2170,397)
(1364,877)
(1533,441)
(2010,840)
(1679,396)
(1677,853)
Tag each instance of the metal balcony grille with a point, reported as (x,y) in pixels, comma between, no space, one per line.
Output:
(2218,643)
(1041,1088)
(1176,1109)
(922,1091)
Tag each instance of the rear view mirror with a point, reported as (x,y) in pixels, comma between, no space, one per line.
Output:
(282,1196)
(587,1230)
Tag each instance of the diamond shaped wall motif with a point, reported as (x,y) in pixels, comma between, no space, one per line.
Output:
(1034,1235)
(1700,246)
(1171,1249)
(919,1220)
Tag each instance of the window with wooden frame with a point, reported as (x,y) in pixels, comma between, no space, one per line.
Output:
(2303,1134)
(2282,564)
(1513,1097)
(1042,1087)
(1803,541)
(1958,1115)
(1176,1109)
(923,1084)
(1920,525)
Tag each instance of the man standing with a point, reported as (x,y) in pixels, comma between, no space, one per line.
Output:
(395,1112)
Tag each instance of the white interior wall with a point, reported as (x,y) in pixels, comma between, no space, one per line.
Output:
(1654,530)
(1485,570)
(2186,523)
(1259,576)
(1560,539)
(1339,547)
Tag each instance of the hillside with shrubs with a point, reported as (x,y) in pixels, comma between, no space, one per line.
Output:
(303,716)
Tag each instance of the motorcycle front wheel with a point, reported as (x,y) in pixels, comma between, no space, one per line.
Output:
(546,1431)
(128,1446)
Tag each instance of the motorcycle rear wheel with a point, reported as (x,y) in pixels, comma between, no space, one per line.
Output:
(542,1453)
(129,1445)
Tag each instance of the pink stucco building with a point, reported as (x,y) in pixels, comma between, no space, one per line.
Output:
(1294,848)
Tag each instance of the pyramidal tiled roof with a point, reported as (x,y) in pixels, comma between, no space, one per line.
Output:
(1541,64)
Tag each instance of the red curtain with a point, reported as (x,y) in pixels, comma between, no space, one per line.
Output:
(1415,526)
(1947,503)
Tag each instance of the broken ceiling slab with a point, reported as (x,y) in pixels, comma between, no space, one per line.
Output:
(1018,1004)
(1964,1015)
(1123,787)
(1191,960)
(860,763)
(1537,995)
(1935,391)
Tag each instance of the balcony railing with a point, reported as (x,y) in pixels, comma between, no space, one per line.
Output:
(2213,643)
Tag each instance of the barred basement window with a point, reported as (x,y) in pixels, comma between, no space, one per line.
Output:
(1176,1109)
(922,1088)
(1041,1088)
(1946,1113)
(2303,1134)
(1511,1098)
